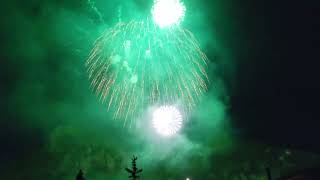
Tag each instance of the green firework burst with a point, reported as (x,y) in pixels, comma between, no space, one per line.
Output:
(134,65)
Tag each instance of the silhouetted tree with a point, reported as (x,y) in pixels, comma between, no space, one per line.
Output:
(134,171)
(268,173)
(80,175)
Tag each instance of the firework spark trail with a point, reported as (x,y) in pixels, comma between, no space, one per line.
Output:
(134,65)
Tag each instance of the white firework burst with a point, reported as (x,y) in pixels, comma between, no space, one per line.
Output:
(167,120)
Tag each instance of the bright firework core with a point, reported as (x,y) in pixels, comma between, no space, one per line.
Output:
(168,12)
(167,120)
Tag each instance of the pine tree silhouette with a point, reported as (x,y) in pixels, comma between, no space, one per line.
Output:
(80,175)
(134,171)
(268,173)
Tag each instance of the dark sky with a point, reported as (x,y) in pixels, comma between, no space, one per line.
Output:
(265,53)
(276,93)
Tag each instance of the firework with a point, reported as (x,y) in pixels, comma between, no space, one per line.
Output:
(137,64)
(168,12)
(167,120)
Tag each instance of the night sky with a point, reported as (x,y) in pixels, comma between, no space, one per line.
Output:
(261,108)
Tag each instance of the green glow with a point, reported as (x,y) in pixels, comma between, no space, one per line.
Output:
(167,120)
(136,65)
(168,12)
